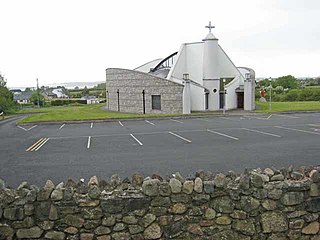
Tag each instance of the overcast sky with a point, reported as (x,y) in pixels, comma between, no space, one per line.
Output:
(76,40)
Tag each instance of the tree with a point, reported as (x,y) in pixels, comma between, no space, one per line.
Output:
(85,91)
(6,97)
(287,82)
(27,89)
(34,98)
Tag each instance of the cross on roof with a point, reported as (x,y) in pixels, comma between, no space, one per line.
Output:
(210,26)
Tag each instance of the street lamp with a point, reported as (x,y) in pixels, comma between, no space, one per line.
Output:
(270,93)
(224,96)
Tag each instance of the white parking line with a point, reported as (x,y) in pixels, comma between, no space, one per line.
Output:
(22,128)
(28,128)
(298,130)
(269,116)
(32,127)
(140,143)
(178,136)
(176,120)
(43,143)
(285,116)
(314,125)
(121,123)
(91,126)
(265,133)
(151,123)
(89,142)
(62,126)
(224,135)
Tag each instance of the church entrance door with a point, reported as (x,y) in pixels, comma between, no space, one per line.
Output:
(240,100)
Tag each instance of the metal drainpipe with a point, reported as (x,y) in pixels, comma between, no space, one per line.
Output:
(144,102)
(118,93)
(108,100)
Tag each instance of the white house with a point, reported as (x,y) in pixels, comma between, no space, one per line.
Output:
(91,99)
(203,69)
(22,97)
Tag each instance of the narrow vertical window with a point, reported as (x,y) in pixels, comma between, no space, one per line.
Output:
(156,102)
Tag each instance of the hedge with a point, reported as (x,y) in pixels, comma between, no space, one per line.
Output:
(61,102)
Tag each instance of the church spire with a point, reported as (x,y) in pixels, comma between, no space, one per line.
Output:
(210,26)
(210,36)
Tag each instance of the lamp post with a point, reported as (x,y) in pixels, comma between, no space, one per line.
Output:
(38,94)
(224,96)
(270,93)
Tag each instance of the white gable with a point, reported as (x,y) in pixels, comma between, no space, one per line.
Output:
(227,67)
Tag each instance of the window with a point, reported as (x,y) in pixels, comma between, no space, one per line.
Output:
(156,102)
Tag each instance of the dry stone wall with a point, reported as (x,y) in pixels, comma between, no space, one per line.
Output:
(258,204)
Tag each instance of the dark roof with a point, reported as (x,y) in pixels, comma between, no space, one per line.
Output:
(22,96)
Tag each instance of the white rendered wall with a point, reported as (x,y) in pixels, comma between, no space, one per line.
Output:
(186,98)
(213,97)
(227,67)
(179,66)
(211,63)
(211,72)
(146,67)
(197,98)
(194,60)
(249,89)
(189,60)
(231,96)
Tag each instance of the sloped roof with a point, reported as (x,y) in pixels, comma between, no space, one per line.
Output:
(22,96)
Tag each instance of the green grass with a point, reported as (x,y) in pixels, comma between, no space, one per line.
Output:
(288,106)
(94,112)
(78,113)
(71,113)
(316,86)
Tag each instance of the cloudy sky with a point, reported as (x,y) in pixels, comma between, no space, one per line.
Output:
(76,40)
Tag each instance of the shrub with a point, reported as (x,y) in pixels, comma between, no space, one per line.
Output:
(62,102)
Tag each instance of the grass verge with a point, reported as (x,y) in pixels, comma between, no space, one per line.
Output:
(288,106)
(95,112)
(78,113)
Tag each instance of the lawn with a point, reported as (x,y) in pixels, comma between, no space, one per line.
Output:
(71,113)
(95,112)
(288,106)
(77,113)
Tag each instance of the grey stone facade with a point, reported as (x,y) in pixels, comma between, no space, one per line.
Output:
(130,85)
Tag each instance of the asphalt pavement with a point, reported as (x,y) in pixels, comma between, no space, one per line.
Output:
(35,153)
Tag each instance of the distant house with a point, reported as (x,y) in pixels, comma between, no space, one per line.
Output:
(49,95)
(22,97)
(15,91)
(60,93)
(91,99)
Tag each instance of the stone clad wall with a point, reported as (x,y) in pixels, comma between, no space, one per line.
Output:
(130,85)
(268,204)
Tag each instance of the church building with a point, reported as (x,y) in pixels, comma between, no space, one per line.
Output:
(198,77)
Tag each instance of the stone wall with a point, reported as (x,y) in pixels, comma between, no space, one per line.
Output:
(268,204)
(130,85)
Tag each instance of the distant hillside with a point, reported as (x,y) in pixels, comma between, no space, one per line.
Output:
(68,85)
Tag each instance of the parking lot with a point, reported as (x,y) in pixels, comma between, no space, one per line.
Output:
(61,151)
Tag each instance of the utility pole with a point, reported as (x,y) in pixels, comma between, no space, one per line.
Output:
(224,96)
(38,93)
(270,108)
